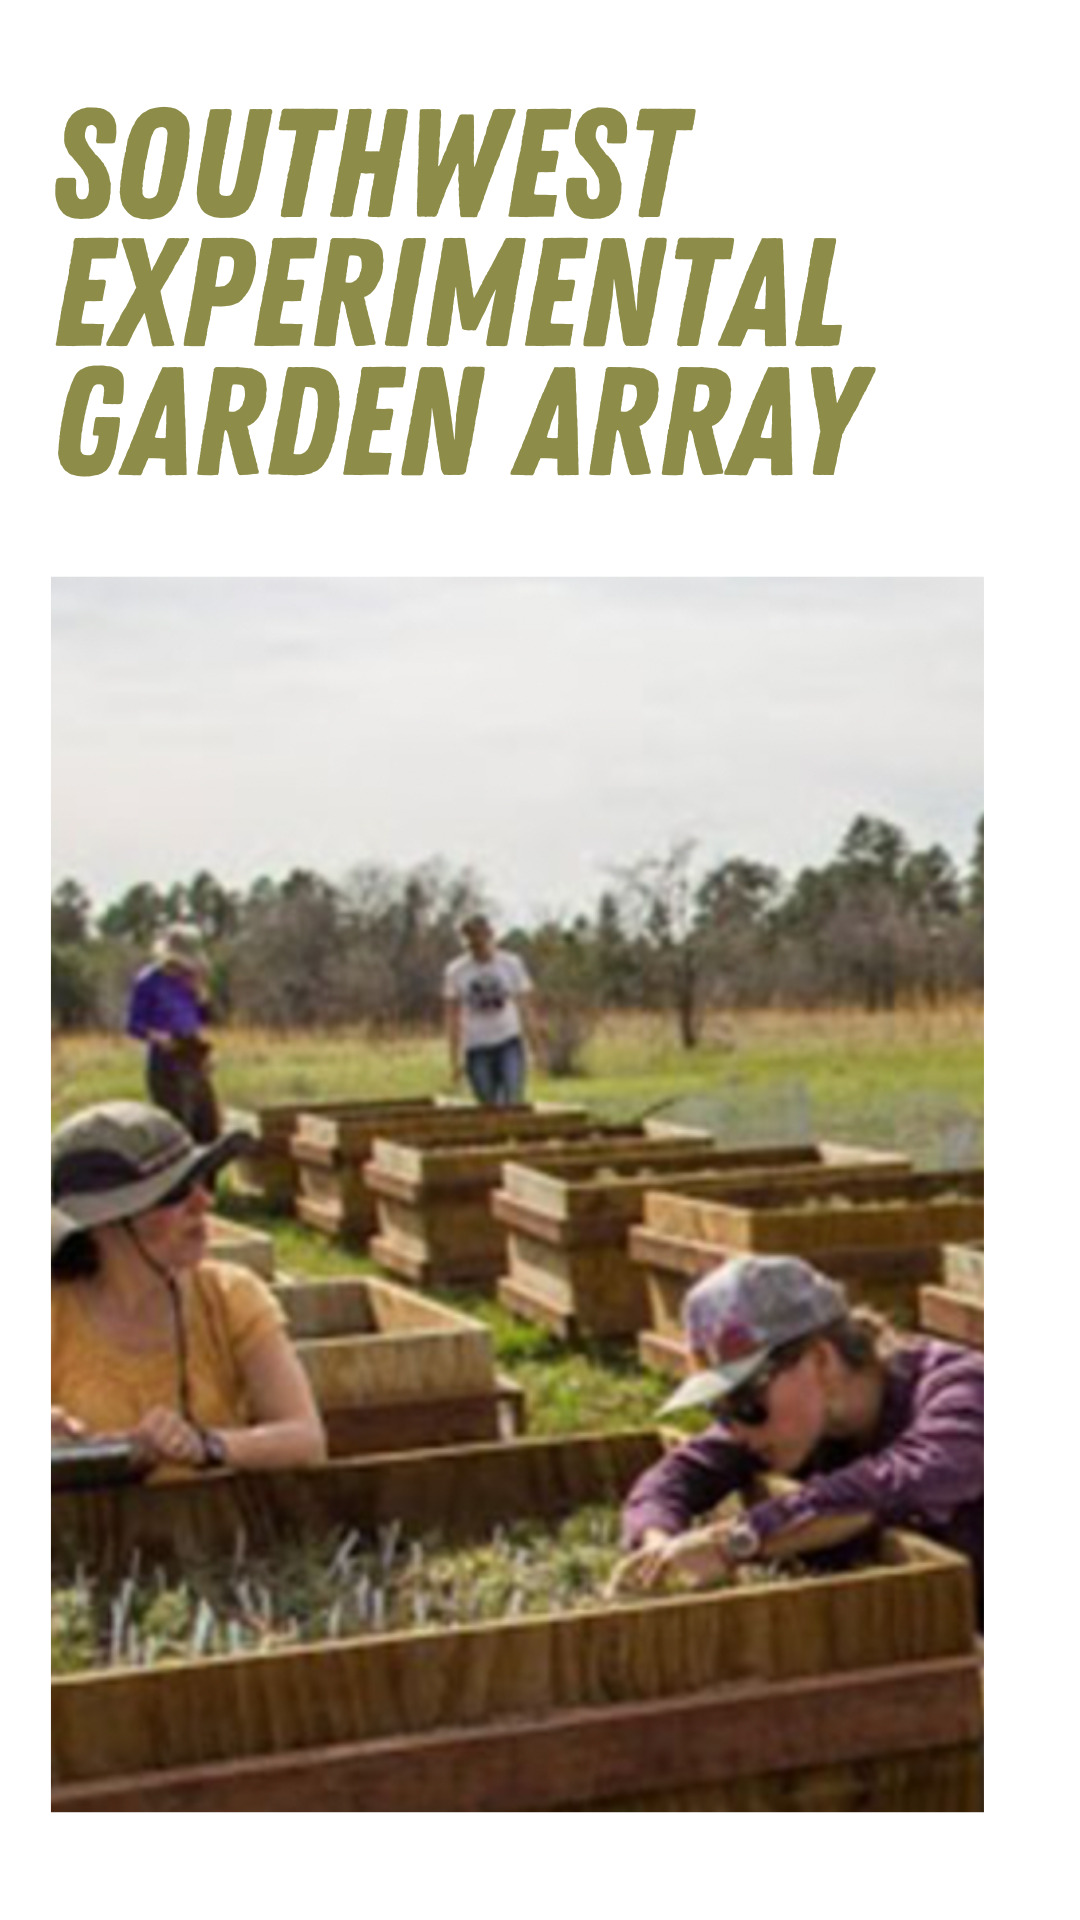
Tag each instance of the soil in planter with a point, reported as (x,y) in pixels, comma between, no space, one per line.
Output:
(342,1587)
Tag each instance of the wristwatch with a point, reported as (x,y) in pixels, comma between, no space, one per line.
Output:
(741,1540)
(214,1454)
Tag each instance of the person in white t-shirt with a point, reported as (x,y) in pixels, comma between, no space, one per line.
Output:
(489,1017)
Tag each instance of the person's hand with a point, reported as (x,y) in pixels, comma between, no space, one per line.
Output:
(164,1042)
(694,1559)
(163,1434)
(65,1426)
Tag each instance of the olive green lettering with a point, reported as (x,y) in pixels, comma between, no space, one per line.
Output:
(474,171)
(702,255)
(690,422)
(133,197)
(535,159)
(369,417)
(81,292)
(381,162)
(664,123)
(542,331)
(765,273)
(149,277)
(165,409)
(431,407)
(773,397)
(835,412)
(226,422)
(636,305)
(285,457)
(105,429)
(98,186)
(206,294)
(616,422)
(608,183)
(342,295)
(209,192)
(305,124)
(272,330)
(497,290)
(553,430)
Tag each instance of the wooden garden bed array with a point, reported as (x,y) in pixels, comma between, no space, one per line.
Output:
(568,1218)
(269,1172)
(436,1224)
(862,1687)
(881,1234)
(332,1154)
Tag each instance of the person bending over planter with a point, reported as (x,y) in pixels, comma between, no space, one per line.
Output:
(189,1357)
(880,1429)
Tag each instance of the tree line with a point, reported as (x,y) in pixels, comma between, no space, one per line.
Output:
(880,923)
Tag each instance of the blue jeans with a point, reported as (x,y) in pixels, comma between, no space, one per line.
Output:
(497,1074)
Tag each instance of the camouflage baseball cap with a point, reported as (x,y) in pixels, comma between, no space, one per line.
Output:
(742,1312)
(119,1159)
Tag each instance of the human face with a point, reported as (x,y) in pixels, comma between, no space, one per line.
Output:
(175,1233)
(479,939)
(793,1399)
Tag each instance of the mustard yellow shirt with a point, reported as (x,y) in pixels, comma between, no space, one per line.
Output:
(227,1312)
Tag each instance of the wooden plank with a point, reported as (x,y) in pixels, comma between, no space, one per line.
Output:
(663,1353)
(462,1492)
(962,1269)
(575,1757)
(945,1780)
(951,1315)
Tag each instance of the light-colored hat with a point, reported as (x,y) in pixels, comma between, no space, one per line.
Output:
(117,1160)
(742,1312)
(180,945)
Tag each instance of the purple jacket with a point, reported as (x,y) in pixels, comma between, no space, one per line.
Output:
(922,1469)
(164,1002)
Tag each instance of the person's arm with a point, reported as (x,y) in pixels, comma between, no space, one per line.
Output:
(286,1430)
(453,1036)
(687,1481)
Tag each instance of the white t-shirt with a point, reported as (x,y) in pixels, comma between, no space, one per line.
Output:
(486,991)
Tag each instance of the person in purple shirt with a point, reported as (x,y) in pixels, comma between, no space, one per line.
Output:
(168,1010)
(879,1429)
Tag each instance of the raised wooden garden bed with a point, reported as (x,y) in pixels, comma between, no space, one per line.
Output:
(391,1370)
(882,1235)
(240,1246)
(862,1685)
(954,1309)
(567,1220)
(269,1173)
(332,1155)
(436,1223)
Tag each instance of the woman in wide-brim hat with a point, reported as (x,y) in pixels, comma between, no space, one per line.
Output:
(150,1339)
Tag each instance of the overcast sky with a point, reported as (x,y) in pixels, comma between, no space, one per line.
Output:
(537,730)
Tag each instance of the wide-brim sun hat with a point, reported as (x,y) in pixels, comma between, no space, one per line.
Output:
(743,1312)
(122,1158)
(179,946)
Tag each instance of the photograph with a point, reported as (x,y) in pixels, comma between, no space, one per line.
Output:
(517,1193)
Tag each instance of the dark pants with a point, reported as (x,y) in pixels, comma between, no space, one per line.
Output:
(497,1074)
(184,1088)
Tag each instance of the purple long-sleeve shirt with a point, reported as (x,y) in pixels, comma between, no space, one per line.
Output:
(922,1468)
(164,1002)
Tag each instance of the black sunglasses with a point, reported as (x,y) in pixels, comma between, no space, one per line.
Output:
(194,1183)
(748,1406)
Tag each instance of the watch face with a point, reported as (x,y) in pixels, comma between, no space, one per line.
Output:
(742,1540)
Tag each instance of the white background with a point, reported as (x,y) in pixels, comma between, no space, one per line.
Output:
(931,141)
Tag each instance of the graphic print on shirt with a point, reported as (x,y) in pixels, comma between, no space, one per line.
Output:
(486,992)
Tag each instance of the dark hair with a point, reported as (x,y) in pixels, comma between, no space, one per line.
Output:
(863,1338)
(77,1257)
